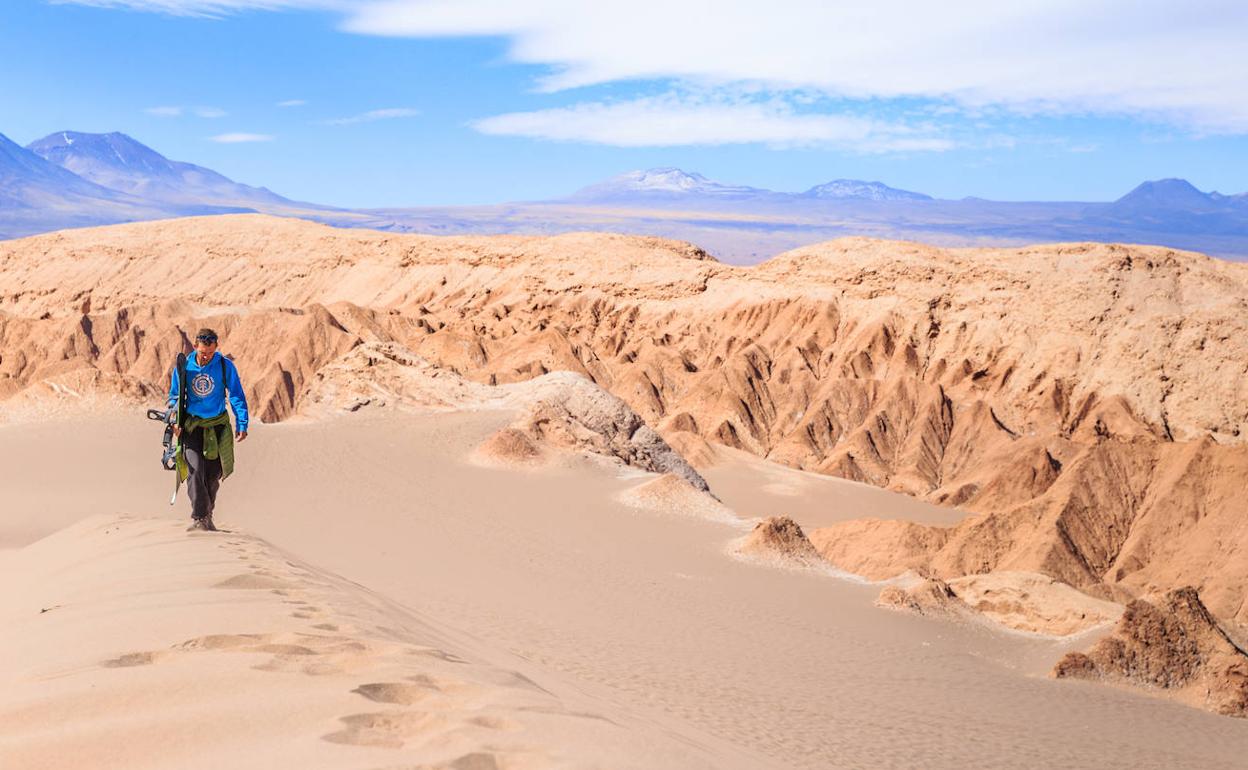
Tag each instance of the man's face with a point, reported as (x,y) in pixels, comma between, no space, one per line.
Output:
(205,348)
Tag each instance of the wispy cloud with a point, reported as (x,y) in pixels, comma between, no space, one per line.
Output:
(388,113)
(178,111)
(291,103)
(681,119)
(238,138)
(209,8)
(1079,56)
(1163,62)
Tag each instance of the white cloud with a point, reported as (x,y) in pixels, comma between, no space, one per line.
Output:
(177,112)
(675,119)
(238,138)
(210,7)
(1158,60)
(291,103)
(388,113)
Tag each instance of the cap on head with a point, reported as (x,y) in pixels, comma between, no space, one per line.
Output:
(206,335)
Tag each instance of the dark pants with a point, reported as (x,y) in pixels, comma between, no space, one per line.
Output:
(205,478)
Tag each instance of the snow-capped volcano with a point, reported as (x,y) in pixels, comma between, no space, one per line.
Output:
(853,189)
(665,184)
(28,179)
(673,184)
(37,195)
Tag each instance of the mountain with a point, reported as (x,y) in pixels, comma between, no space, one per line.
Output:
(37,196)
(119,162)
(73,179)
(660,184)
(29,181)
(1168,195)
(673,184)
(1175,205)
(853,189)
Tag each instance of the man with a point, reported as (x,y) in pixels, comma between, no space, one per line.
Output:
(207,455)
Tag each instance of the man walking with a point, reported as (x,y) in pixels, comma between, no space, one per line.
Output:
(207,443)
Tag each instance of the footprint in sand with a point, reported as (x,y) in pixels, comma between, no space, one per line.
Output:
(477,760)
(134,659)
(395,728)
(284,649)
(252,582)
(388,729)
(399,693)
(434,652)
(221,642)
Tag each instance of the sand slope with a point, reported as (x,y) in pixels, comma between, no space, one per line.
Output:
(138,645)
(636,613)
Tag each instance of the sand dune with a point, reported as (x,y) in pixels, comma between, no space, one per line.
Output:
(221,651)
(636,614)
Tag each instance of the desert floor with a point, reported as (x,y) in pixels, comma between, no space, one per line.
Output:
(383,601)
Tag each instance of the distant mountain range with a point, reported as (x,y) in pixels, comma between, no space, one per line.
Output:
(75,179)
(37,195)
(852,189)
(117,162)
(1175,203)
(675,185)
(27,180)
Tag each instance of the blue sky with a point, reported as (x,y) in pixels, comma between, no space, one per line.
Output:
(427,102)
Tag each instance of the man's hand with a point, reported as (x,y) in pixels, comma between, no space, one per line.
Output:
(240,435)
(177,430)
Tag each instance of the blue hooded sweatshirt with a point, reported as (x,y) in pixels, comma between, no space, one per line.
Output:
(205,394)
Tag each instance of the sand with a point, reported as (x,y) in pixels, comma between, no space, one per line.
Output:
(1086,404)
(137,645)
(386,530)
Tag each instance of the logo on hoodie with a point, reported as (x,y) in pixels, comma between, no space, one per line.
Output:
(202,385)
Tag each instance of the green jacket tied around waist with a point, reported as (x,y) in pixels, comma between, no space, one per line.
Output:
(218,444)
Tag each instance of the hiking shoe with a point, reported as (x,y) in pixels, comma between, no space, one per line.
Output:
(202,524)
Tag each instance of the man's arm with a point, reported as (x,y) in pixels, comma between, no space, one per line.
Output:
(173,388)
(238,399)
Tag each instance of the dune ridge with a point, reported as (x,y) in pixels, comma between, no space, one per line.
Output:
(218,650)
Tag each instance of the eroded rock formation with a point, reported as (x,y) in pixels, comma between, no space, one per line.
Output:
(1173,645)
(780,538)
(1087,401)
